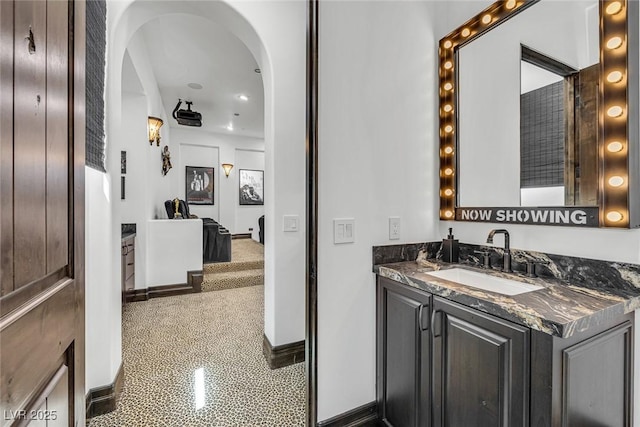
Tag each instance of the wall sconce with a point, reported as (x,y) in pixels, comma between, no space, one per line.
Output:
(154,124)
(227,168)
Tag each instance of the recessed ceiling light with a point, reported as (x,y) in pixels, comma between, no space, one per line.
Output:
(243,97)
(197,86)
(257,70)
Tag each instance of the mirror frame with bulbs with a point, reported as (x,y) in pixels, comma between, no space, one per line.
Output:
(618,144)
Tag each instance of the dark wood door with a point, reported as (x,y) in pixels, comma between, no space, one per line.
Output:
(403,317)
(480,368)
(42,207)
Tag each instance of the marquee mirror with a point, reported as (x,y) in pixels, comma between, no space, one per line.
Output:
(535,101)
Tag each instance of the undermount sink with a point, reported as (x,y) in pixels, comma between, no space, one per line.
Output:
(485,281)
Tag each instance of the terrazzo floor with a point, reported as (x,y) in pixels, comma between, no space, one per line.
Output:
(196,360)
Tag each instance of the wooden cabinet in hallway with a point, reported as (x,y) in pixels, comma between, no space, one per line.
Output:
(42,212)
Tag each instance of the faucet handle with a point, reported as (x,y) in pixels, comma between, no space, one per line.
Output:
(531,268)
(486,259)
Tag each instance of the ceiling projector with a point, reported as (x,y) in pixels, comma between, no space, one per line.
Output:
(187,117)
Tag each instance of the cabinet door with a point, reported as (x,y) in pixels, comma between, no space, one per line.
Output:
(403,355)
(481,368)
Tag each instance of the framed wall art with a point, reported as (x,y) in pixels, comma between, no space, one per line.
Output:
(199,185)
(251,187)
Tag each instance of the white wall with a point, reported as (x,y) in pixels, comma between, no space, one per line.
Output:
(102,285)
(202,148)
(377,158)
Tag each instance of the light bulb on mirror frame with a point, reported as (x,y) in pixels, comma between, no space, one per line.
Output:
(616,181)
(614,146)
(615,76)
(613,8)
(448,171)
(614,42)
(614,216)
(615,111)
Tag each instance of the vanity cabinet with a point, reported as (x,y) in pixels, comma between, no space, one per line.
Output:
(441,363)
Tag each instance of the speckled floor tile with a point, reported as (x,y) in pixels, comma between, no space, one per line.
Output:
(196,360)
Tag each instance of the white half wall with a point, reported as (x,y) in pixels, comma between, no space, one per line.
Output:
(377,159)
(175,246)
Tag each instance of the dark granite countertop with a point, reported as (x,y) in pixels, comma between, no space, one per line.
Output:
(566,304)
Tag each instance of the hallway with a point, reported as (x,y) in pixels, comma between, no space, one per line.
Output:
(196,360)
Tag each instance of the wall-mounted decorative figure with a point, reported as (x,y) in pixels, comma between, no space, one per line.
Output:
(166,160)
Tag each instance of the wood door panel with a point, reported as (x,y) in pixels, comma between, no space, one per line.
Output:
(42,158)
(33,344)
(57,135)
(29,142)
(6,147)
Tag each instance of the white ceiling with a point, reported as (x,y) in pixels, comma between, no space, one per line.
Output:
(189,49)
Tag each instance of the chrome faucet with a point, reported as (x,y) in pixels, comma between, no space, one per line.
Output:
(507,252)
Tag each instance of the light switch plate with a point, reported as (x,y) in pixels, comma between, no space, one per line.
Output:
(394,228)
(344,230)
(291,223)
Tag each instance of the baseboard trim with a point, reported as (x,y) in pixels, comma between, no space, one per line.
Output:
(193,285)
(102,400)
(365,416)
(282,355)
(136,295)
(241,236)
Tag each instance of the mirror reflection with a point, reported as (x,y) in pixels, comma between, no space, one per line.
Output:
(527,109)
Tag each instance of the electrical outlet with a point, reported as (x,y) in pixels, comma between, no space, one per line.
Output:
(394,228)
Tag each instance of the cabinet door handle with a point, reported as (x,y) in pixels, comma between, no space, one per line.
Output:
(436,323)
(130,263)
(422,318)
